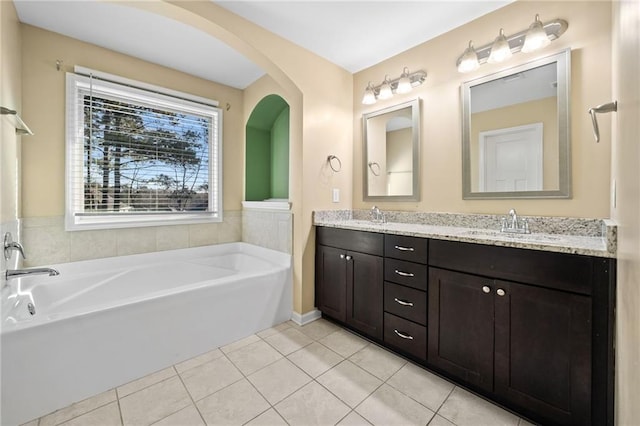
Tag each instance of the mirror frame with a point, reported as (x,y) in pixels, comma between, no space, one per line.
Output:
(415,143)
(563,60)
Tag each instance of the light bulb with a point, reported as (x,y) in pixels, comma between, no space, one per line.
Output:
(385,89)
(469,60)
(369,97)
(500,50)
(404,84)
(536,37)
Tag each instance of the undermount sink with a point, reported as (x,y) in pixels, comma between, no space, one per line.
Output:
(487,233)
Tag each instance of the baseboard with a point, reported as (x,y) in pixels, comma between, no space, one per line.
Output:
(306,318)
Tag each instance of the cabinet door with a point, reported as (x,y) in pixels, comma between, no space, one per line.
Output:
(460,326)
(331,282)
(543,351)
(364,293)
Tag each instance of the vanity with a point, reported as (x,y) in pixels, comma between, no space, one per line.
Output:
(523,320)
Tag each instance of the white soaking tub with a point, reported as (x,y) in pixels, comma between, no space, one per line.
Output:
(102,323)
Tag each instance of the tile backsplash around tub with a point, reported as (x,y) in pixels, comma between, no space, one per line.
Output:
(272,229)
(46,242)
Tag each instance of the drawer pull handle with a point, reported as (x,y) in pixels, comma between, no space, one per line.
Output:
(404,274)
(404,248)
(486,289)
(403,335)
(402,302)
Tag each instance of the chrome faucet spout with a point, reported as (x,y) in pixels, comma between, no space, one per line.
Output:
(16,273)
(514,218)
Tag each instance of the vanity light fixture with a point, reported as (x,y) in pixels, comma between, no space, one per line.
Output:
(537,36)
(385,90)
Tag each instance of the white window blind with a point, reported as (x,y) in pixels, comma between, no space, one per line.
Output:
(136,157)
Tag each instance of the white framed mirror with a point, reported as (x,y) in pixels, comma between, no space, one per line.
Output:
(516,132)
(391,163)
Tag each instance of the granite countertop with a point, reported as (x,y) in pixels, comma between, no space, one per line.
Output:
(591,237)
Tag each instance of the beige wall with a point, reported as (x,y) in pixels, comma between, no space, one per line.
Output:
(539,111)
(589,37)
(626,174)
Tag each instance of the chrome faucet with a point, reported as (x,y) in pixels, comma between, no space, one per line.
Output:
(514,225)
(377,215)
(16,273)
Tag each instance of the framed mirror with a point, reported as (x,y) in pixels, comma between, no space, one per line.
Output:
(391,167)
(516,132)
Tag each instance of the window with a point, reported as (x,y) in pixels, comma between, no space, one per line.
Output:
(137,157)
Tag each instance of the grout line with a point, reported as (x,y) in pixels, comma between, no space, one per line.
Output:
(190,397)
(119,409)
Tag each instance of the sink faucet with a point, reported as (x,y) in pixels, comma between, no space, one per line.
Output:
(377,215)
(514,225)
(16,273)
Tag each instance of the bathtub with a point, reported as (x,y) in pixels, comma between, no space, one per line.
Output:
(105,322)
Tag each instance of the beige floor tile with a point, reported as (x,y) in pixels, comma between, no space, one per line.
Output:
(377,361)
(253,357)
(268,418)
(318,329)
(145,381)
(279,380)
(31,423)
(438,420)
(421,385)
(312,405)
(288,341)
(198,360)
(354,419)
(273,330)
(107,415)
(343,342)
(154,403)
(78,408)
(349,382)
(315,359)
(233,405)
(210,377)
(188,416)
(240,343)
(523,422)
(465,409)
(389,407)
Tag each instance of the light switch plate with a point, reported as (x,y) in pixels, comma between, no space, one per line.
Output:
(336,195)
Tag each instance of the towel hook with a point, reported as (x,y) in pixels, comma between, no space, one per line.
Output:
(600,109)
(331,163)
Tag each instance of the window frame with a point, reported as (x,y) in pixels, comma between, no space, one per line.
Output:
(77,84)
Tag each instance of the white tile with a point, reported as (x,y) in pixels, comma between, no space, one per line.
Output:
(78,408)
(465,409)
(253,357)
(389,407)
(312,405)
(92,245)
(233,405)
(240,343)
(45,245)
(107,415)
(318,329)
(154,403)
(438,420)
(315,359)
(135,240)
(288,341)
(343,342)
(231,228)
(421,385)
(349,382)
(279,380)
(268,418)
(172,237)
(198,360)
(377,361)
(203,234)
(145,381)
(354,419)
(188,416)
(210,377)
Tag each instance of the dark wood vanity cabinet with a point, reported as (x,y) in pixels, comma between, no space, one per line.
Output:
(531,330)
(349,278)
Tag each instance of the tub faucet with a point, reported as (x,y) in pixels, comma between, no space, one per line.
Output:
(16,273)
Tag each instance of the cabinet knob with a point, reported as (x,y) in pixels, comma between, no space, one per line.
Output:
(342,256)
(348,257)
(486,289)
(500,292)
(403,335)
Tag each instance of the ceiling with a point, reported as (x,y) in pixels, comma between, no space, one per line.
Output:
(352,34)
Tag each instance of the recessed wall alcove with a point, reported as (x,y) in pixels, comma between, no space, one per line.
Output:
(267,151)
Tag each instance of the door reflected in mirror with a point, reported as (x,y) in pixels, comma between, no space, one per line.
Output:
(516,132)
(391,146)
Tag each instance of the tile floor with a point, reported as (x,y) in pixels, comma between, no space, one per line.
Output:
(318,374)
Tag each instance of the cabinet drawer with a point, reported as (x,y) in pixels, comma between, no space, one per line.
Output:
(406,248)
(405,335)
(406,273)
(553,270)
(346,239)
(406,302)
